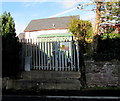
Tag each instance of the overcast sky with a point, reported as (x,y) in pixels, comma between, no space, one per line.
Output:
(23,11)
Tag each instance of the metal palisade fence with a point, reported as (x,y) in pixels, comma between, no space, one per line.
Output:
(51,55)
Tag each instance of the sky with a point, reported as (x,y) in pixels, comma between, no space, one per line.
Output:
(25,11)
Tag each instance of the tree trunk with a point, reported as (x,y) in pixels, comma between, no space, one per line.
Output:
(82,64)
(95,43)
(97,22)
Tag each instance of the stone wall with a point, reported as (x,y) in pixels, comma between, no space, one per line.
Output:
(99,74)
(104,73)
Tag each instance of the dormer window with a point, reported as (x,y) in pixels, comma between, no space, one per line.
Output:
(53,25)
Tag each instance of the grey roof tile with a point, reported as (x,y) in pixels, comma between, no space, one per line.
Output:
(49,23)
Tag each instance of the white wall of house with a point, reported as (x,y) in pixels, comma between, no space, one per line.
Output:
(35,34)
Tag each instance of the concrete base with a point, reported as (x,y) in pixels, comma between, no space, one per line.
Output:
(36,74)
(39,80)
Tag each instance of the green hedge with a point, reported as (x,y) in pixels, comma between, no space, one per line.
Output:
(108,49)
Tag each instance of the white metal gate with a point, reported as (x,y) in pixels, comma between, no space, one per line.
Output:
(54,55)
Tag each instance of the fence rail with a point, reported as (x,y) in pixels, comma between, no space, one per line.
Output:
(52,55)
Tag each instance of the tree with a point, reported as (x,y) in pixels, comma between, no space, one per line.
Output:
(97,23)
(110,17)
(10,45)
(79,29)
(98,4)
(108,41)
(110,12)
(106,12)
(8,25)
(77,26)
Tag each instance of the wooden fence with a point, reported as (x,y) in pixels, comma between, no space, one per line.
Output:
(52,55)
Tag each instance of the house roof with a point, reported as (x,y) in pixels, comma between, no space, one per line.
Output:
(49,23)
(21,35)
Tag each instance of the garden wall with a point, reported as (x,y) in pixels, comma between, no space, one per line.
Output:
(98,74)
(103,73)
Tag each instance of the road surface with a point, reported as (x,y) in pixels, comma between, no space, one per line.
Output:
(58,98)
